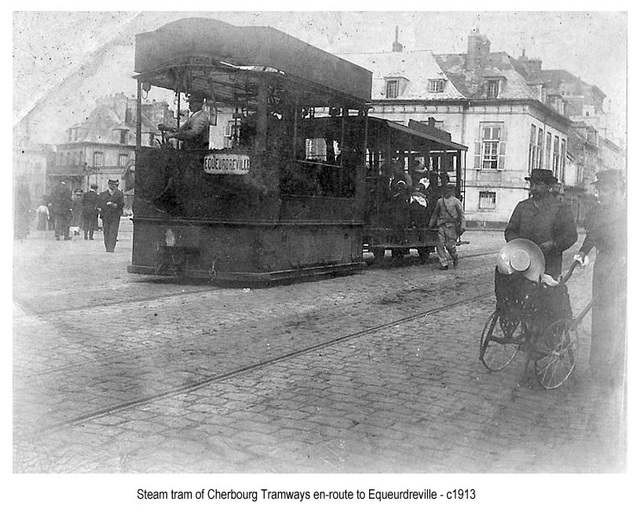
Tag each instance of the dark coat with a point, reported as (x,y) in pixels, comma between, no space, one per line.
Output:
(61,200)
(607,232)
(90,204)
(546,219)
(106,201)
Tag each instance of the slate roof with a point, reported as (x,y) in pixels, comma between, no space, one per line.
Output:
(472,82)
(417,66)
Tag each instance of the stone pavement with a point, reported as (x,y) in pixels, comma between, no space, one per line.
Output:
(122,373)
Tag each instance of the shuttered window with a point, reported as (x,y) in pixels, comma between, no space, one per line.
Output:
(490,150)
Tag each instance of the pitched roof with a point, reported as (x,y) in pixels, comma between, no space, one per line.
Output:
(472,82)
(419,67)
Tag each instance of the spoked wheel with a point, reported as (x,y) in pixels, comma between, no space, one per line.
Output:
(559,350)
(500,341)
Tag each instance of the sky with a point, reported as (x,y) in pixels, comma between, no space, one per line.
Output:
(64,59)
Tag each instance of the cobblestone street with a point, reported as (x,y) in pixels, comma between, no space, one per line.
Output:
(375,372)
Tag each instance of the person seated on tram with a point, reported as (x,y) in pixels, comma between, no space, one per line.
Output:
(194,133)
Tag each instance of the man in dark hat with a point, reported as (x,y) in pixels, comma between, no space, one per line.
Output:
(111,204)
(545,220)
(195,130)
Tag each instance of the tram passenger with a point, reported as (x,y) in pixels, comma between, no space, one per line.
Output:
(194,133)
(545,220)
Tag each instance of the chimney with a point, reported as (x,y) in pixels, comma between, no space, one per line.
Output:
(396,46)
(531,66)
(478,49)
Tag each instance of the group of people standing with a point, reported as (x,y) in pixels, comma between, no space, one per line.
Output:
(65,210)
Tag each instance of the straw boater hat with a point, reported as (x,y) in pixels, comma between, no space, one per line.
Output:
(521,256)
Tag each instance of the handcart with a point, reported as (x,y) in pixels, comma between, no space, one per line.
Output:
(537,319)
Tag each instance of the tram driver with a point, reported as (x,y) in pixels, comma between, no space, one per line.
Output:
(194,133)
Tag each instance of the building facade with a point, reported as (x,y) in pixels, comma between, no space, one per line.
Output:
(511,114)
(103,146)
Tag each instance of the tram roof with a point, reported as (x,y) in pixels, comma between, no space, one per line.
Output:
(420,134)
(201,44)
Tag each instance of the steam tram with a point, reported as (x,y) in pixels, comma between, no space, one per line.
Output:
(289,173)
(279,192)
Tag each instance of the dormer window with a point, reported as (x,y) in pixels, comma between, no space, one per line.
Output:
(436,85)
(493,88)
(393,88)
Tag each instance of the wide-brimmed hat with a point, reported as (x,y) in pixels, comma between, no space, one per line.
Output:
(116,181)
(521,256)
(542,175)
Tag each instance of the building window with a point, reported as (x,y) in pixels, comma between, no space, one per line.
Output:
(491,149)
(231,134)
(487,200)
(493,87)
(392,90)
(533,148)
(563,159)
(547,152)
(124,136)
(98,159)
(123,159)
(540,147)
(556,155)
(436,85)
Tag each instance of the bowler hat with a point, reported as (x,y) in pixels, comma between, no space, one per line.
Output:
(609,177)
(542,175)
(521,256)
(196,97)
(94,186)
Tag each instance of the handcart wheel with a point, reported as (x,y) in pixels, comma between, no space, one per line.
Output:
(559,348)
(500,341)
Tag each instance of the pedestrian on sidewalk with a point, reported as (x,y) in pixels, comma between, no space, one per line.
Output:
(448,216)
(111,204)
(90,212)
(60,208)
(606,227)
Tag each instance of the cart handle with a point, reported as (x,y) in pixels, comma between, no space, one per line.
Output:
(563,279)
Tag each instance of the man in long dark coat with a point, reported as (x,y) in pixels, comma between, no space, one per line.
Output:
(545,220)
(90,212)
(60,208)
(111,205)
(606,231)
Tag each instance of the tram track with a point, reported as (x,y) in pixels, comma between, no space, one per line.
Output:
(203,288)
(236,372)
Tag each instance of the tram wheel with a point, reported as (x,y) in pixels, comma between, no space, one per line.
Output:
(559,350)
(500,341)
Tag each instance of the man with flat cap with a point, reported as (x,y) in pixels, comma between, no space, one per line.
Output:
(111,204)
(545,220)
(194,133)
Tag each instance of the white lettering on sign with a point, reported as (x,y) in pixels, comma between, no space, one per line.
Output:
(227,164)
